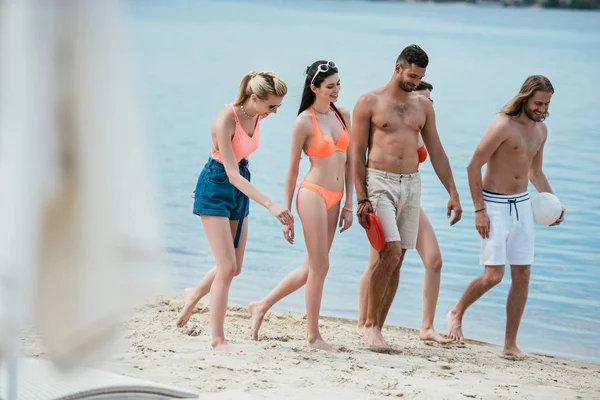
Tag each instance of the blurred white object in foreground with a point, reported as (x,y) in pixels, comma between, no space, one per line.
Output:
(79,229)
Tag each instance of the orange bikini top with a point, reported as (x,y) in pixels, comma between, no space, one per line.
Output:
(323,146)
(243,145)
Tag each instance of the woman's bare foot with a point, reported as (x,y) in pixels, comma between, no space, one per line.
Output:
(455,333)
(513,353)
(431,334)
(320,344)
(189,305)
(257,313)
(221,345)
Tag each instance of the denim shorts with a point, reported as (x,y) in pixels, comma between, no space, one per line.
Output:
(216,196)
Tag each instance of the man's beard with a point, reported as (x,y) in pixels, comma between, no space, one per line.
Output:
(403,86)
(532,116)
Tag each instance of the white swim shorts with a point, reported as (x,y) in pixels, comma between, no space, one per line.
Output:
(512,232)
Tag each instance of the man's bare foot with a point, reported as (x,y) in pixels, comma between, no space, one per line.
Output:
(513,353)
(373,337)
(360,330)
(188,307)
(431,334)
(455,333)
(320,344)
(383,339)
(257,313)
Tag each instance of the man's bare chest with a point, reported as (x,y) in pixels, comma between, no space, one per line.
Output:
(524,145)
(395,117)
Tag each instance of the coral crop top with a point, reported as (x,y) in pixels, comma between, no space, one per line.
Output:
(243,145)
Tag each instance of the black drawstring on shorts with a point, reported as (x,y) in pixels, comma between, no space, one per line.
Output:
(512,202)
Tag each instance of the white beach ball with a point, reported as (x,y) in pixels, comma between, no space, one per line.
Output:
(546,208)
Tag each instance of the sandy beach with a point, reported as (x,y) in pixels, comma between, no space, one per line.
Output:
(279,366)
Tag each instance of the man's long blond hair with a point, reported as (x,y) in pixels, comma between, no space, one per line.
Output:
(532,84)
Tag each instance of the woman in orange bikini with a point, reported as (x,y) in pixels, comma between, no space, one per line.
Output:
(223,191)
(323,132)
(429,251)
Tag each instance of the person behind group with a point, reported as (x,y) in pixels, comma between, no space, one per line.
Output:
(429,251)
(513,149)
(387,122)
(322,130)
(223,191)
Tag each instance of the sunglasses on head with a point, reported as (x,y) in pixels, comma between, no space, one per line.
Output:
(323,68)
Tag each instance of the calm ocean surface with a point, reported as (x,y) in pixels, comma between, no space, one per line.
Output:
(191,55)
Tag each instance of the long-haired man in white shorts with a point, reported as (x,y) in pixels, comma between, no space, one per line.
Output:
(512,147)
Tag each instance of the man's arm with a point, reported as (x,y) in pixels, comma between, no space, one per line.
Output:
(361,123)
(493,137)
(439,160)
(438,156)
(536,174)
(491,140)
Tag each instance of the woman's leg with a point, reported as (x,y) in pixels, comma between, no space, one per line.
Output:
(218,232)
(429,250)
(316,223)
(192,296)
(292,282)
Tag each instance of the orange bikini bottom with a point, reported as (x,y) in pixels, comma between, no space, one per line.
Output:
(331,198)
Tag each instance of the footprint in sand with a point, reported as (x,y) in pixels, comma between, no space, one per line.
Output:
(302,350)
(283,338)
(343,349)
(342,380)
(384,350)
(305,382)
(239,315)
(356,367)
(289,316)
(544,355)
(192,330)
(410,371)
(389,385)
(260,384)
(513,358)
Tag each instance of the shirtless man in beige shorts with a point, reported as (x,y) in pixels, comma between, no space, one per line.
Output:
(513,148)
(387,122)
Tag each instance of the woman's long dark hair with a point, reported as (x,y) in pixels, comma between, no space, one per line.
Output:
(308,96)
